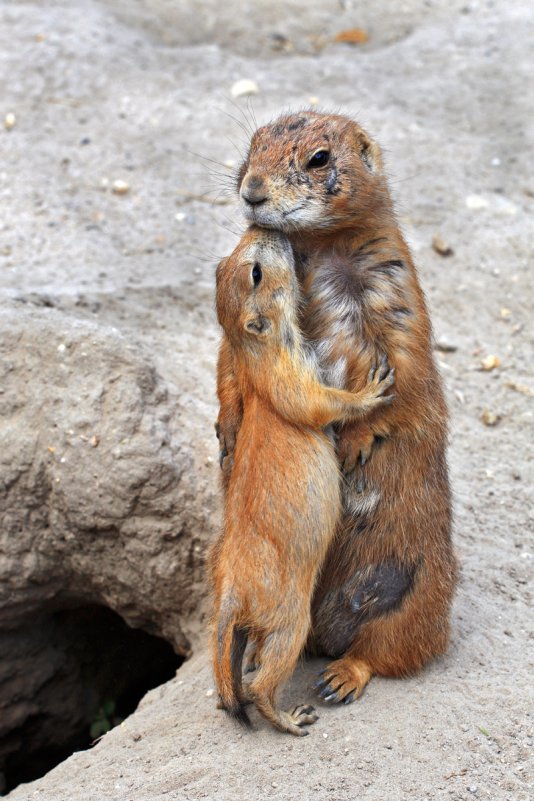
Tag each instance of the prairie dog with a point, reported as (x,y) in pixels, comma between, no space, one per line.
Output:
(382,602)
(283,497)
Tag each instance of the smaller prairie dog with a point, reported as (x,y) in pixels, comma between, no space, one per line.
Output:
(283,497)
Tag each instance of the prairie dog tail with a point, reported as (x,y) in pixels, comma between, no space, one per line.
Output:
(231,642)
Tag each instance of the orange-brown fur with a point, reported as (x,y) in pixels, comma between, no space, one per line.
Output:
(283,496)
(382,604)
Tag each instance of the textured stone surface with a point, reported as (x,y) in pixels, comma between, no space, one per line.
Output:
(101,503)
(98,476)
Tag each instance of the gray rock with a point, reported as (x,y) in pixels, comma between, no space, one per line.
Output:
(95,472)
(99,505)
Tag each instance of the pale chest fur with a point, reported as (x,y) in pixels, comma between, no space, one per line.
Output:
(353,309)
(331,318)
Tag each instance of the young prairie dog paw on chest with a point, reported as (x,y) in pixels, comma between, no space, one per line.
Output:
(283,496)
(319,178)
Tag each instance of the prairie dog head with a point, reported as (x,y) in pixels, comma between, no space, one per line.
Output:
(310,171)
(257,290)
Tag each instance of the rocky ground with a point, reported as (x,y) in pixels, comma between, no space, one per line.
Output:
(140,92)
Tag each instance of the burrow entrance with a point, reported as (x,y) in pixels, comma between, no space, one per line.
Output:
(66,678)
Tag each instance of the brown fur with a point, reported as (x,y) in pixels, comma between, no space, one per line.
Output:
(382,604)
(283,496)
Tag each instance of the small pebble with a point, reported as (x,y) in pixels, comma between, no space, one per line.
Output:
(441,247)
(209,693)
(120,187)
(179,216)
(489,418)
(10,121)
(445,346)
(325,735)
(243,88)
(490,363)
(281,42)
(473,788)
(353,36)
(476,202)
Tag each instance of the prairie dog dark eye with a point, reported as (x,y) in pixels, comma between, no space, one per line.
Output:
(318,159)
(256,273)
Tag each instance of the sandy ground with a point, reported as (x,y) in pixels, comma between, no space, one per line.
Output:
(140,91)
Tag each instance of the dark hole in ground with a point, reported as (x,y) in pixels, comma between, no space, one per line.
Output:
(74,673)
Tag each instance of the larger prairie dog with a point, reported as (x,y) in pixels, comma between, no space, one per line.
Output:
(382,604)
(283,499)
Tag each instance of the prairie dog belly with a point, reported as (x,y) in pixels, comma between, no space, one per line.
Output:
(296,497)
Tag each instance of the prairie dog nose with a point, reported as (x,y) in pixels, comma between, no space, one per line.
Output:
(254,190)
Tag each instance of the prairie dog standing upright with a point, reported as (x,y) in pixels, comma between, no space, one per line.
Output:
(283,497)
(382,603)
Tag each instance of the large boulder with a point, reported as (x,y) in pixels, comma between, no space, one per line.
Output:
(106,500)
(102,494)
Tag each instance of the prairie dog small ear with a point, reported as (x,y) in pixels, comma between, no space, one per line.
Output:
(369,151)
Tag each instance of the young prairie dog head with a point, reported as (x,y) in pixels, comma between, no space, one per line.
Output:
(257,290)
(311,171)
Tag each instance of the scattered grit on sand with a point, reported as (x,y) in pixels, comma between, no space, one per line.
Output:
(137,92)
